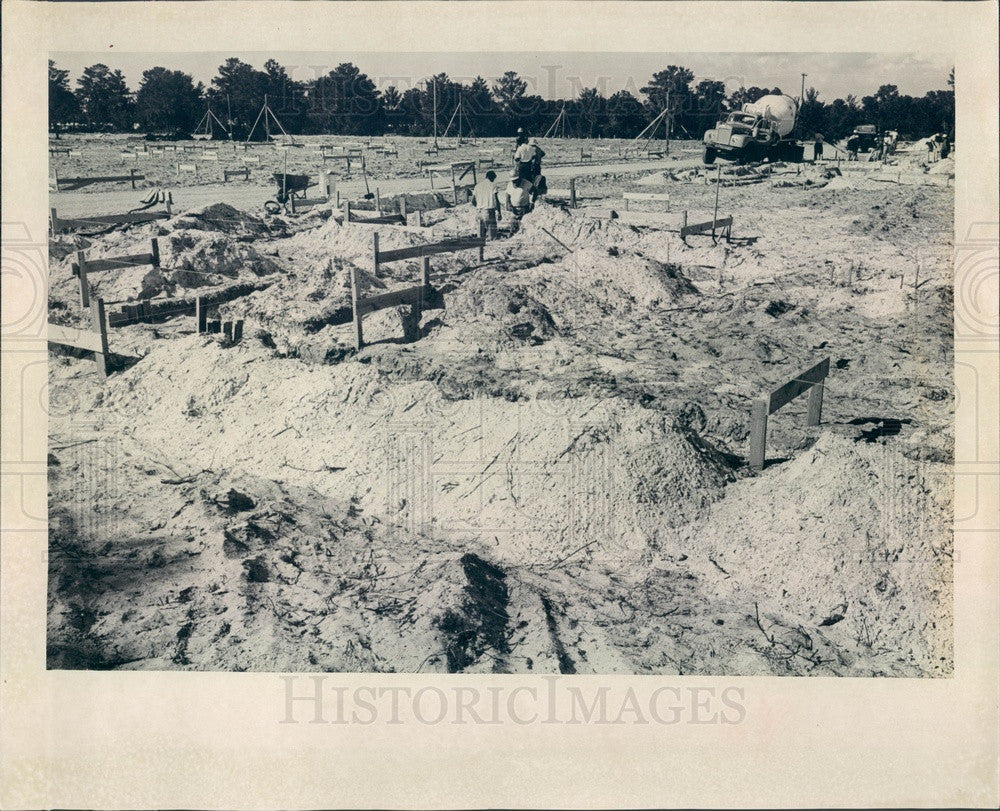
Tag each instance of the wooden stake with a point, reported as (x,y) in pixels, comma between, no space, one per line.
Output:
(378,201)
(156,253)
(53,221)
(425,272)
(100,326)
(482,237)
(347,211)
(572,193)
(815,409)
(758,434)
(81,261)
(375,253)
(715,214)
(355,308)
(200,315)
(131,174)
(170,203)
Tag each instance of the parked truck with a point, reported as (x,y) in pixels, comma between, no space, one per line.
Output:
(759,131)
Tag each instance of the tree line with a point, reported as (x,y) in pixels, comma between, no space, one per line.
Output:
(346,101)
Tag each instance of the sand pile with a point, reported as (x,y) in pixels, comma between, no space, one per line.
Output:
(540,478)
(864,553)
(503,306)
(596,280)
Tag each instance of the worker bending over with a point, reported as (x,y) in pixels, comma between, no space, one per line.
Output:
(517,197)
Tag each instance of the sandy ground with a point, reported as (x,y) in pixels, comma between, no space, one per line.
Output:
(544,472)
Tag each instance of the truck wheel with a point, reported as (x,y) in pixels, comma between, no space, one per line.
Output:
(709,155)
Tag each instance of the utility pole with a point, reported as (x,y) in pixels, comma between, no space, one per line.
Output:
(435,92)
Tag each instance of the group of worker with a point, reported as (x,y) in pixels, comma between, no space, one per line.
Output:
(525,185)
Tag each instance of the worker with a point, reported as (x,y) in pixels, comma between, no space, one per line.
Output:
(818,147)
(523,157)
(853,145)
(487,203)
(535,164)
(886,147)
(519,140)
(517,196)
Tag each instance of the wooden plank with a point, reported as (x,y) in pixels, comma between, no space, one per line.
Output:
(110,219)
(72,336)
(165,308)
(599,213)
(106,179)
(703,227)
(393,298)
(663,219)
(118,262)
(417,251)
(634,195)
(793,388)
(385,219)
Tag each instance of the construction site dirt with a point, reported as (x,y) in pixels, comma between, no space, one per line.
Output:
(539,464)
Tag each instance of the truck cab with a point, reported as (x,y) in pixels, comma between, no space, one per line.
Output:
(737,136)
(753,133)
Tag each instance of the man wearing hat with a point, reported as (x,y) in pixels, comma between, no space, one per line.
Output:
(517,196)
(523,157)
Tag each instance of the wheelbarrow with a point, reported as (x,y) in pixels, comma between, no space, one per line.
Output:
(290,186)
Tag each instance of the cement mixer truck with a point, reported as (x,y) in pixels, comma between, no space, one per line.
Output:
(757,132)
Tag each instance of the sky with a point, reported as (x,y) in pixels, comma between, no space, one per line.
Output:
(561,75)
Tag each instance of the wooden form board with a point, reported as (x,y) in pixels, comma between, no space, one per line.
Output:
(93,340)
(350,216)
(84,267)
(569,194)
(417,295)
(711,227)
(229,173)
(635,197)
(72,183)
(147,311)
(430,249)
(458,170)
(122,262)
(59,224)
(811,380)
